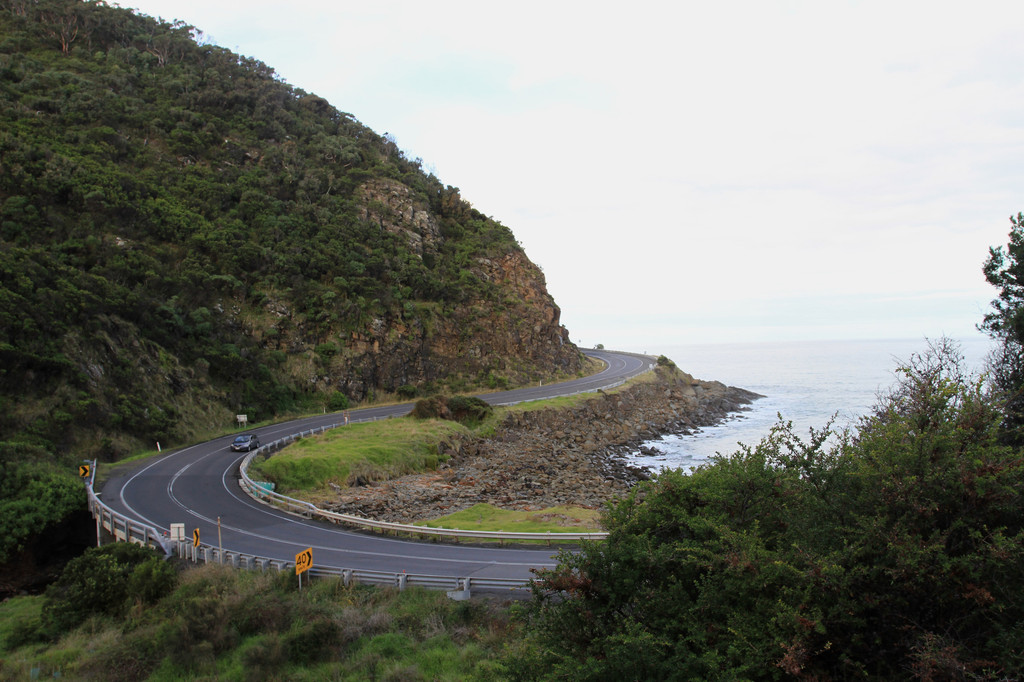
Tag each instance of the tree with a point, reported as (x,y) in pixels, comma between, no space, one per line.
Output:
(1005,324)
(62,26)
(882,554)
(105,581)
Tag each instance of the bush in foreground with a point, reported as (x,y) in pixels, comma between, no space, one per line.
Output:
(890,554)
(105,581)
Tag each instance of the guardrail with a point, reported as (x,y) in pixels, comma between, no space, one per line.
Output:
(124,529)
(457,588)
(121,527)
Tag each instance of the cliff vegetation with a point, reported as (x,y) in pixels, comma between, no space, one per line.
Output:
(185,237)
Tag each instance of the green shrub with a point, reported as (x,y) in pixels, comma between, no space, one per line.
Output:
(264,654)
(460,408)
(891,554)
(466,409)
(105,581)
(34,495)
(434,407)
(312,640)
(496,381)
(664,361)
(151,580)
(337,401)
(326,350)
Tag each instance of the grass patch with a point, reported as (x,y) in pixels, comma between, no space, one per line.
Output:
(359,453)
(560,403)
(15,616)
(554,520)
(567,401)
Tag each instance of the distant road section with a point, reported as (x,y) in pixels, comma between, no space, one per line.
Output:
(620,367)
(198,486)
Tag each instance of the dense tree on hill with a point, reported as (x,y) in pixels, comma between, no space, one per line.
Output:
(184,237)
(893,553)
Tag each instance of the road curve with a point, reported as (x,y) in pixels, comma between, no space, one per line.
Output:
(198,485)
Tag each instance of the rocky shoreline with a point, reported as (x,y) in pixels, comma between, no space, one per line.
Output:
(549,457)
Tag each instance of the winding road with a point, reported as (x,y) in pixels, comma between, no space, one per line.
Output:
(199,484)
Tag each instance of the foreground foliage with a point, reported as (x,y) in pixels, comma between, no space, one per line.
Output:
(220,623)
(890,554)
(35,494)
(1005,324)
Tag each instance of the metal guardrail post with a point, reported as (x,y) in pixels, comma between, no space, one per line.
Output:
(460,594)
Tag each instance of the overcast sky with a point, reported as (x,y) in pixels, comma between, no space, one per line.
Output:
(694,172)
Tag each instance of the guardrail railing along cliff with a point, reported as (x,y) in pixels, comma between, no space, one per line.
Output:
(124,529)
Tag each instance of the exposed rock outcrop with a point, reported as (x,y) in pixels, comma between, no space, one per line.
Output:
(508,332)
(543,458)
(391,205)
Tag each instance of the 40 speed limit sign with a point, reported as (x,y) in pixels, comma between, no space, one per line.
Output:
(303,561)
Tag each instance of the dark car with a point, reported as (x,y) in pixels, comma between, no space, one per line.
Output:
(246,442)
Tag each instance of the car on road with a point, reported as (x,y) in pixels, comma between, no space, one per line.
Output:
(246,442)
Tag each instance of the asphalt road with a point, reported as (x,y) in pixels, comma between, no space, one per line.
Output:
(199,484)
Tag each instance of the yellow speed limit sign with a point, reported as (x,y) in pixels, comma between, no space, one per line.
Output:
(303,561)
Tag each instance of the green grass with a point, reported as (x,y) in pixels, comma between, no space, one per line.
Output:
(373,451)
(560,403)
(14,615)
(565,402)
(554,520)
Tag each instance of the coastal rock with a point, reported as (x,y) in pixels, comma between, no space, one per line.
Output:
(550,457)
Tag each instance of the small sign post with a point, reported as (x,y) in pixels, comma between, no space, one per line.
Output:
(242,419)
(303,562)
(84,470)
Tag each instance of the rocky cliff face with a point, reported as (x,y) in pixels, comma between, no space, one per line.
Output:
(551,457)
(515,339)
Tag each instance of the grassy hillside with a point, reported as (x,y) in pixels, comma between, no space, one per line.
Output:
(214,622)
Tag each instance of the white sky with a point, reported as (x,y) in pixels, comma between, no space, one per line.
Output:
(693,172)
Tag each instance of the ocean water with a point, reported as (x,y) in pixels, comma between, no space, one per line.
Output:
(806,383)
